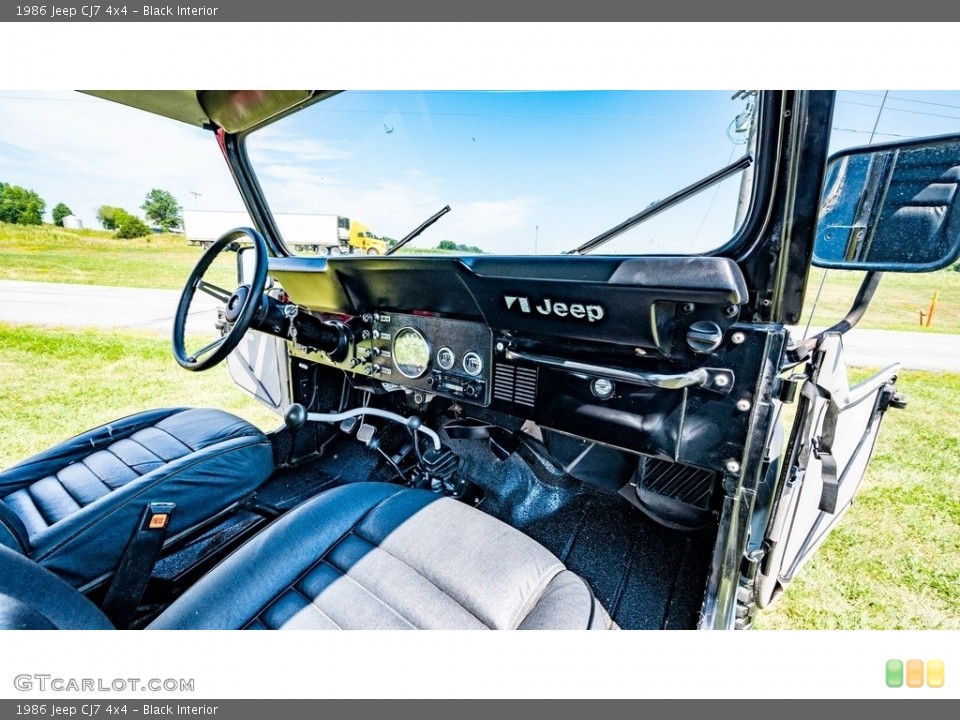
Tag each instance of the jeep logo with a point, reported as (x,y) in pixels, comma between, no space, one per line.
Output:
(579,311)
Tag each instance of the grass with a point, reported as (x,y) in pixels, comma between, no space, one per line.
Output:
(55,384)
(94,257)
(896,304)
(893,562)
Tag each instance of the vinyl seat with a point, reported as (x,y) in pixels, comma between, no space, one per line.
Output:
(74,508)
(364,556)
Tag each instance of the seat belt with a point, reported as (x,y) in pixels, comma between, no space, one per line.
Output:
(130,581)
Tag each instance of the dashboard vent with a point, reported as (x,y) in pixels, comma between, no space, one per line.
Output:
(515,384)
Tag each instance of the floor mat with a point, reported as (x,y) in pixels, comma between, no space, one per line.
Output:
(639,570)
(646,575)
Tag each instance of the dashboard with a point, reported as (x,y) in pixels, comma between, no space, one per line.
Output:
(644,354)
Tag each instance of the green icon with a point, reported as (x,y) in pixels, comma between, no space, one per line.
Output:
(894,673)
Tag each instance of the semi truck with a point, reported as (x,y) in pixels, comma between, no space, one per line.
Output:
(302,232)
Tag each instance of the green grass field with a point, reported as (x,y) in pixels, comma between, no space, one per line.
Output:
(893,562)
(896,304)
(57,383)
(94,257)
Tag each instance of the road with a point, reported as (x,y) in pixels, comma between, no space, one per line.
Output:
(61,304)
(55,304)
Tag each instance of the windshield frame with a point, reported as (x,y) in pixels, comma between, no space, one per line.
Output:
(742,244)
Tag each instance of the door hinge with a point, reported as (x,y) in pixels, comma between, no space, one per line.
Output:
(890,398)
(789,388)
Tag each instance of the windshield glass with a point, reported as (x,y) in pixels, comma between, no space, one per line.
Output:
(522,172)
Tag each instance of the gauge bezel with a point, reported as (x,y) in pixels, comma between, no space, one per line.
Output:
(396,361)
(453,358)
(463,364)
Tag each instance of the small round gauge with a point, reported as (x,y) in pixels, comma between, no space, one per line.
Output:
(411,352)
(472,364)
(446,358)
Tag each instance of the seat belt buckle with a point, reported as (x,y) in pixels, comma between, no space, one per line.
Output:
(157,516)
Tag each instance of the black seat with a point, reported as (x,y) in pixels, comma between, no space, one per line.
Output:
(368,555)
(74,508)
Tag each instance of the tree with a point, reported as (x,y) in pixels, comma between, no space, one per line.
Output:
(59,213)
(110,217)
(447,245)
(20,206)
(163,209)
(130,226)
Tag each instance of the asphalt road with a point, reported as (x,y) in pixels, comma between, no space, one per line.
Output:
(55,304)
(60,304)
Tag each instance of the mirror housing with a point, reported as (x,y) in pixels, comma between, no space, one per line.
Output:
(246,263)
(893,207)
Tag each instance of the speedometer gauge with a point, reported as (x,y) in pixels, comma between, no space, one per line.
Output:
(411,352)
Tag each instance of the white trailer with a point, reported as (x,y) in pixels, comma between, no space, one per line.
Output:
(318,233)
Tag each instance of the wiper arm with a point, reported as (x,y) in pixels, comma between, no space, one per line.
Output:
(427,223)
(660,205)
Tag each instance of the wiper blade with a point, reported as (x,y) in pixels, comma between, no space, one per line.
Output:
(427,223)
(660,205)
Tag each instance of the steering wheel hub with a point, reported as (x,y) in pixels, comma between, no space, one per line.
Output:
(235,304)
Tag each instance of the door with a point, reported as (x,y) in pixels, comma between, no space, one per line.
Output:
(833,437)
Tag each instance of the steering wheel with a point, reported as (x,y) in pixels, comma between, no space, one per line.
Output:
(241,305)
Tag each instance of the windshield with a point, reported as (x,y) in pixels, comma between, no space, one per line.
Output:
(523,172)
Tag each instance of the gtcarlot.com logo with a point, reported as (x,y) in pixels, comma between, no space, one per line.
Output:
(43,682)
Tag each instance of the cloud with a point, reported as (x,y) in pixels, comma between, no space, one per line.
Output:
(88,152)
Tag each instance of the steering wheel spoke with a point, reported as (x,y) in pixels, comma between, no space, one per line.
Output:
(207,348)
(241,305)
(210,289)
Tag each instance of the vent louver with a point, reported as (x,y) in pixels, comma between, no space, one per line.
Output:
(515,384)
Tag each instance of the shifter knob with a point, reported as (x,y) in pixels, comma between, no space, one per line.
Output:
(295,416)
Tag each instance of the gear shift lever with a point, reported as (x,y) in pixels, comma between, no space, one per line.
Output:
(294,418)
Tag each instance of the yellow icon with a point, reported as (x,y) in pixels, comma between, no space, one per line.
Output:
(914,673)
(935,673)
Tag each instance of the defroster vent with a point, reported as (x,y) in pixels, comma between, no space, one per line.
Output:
(515,384)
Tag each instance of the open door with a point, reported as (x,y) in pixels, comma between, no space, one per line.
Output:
(260,364)
(833,437)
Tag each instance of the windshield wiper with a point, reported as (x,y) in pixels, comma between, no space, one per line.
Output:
(427,223)
(660,205)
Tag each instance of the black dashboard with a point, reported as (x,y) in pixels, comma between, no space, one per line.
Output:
(645,353)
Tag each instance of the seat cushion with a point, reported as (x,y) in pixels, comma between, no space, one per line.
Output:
(379,556)
(74,507)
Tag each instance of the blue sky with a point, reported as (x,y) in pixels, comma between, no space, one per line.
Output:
(573,165)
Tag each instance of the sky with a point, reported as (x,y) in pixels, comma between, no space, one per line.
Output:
(523,172)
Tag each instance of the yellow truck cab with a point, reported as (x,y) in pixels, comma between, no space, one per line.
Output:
(362,240)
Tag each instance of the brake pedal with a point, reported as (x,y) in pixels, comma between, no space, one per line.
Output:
(365,433)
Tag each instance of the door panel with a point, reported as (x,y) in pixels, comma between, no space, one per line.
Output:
(833,439)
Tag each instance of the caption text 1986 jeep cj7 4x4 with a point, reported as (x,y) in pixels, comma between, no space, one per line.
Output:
(538,423)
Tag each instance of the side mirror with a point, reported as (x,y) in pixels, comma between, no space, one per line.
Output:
(246,266)
(891,207)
